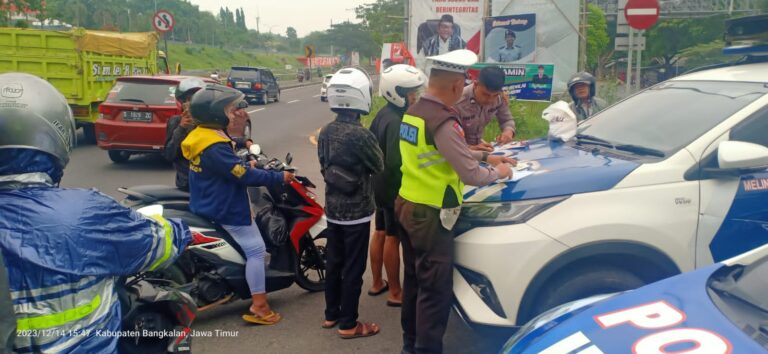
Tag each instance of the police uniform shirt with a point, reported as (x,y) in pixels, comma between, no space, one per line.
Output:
(509,55)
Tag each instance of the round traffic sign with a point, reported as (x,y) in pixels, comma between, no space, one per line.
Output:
(163,21)
(642,14)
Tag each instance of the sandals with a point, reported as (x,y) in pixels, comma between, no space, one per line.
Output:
(362,330)
(384,289)
(269,319)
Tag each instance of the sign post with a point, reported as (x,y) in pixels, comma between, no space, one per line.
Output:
(640,15)
(163,22)
(309,52)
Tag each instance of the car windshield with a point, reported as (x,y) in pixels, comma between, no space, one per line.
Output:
(669,116)
(739,293)
(239,74)
(143,92)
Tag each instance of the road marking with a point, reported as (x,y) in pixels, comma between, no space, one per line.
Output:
(294,101)
(318,95)
(256,110)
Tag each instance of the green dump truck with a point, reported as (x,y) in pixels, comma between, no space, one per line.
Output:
(82,64)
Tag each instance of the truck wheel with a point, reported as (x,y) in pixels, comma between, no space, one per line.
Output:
(119,156)
(583,282)
(89,130)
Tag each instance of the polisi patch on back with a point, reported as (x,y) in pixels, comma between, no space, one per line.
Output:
(409,133)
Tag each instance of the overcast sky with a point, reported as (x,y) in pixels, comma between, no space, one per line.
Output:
(303,15)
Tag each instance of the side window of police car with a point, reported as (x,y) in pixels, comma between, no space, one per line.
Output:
(753,129)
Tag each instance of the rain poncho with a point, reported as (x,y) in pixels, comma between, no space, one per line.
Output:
(64,250)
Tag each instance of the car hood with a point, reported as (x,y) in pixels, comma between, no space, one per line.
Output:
(555,169)
(686,293)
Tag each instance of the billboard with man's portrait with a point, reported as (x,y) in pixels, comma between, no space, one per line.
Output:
(510,39)
(440,26)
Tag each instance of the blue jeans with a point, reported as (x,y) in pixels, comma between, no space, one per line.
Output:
(250,240)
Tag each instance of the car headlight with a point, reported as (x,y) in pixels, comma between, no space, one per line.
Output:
(503,213)
(546,320)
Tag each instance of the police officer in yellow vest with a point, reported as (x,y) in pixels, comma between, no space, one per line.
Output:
(436,164)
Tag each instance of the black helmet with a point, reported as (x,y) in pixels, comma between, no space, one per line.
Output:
(207,105)
(582,78)
(188,87)
(35,115)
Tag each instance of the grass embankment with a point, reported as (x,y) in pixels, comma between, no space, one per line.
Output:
(198,57)
(527,119)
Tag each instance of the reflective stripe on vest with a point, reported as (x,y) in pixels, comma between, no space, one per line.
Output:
(57,321)
(163,242)
(426,173)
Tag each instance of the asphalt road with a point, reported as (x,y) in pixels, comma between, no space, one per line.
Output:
(279,128)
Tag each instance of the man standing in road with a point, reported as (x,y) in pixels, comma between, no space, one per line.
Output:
(177,129)
(349,155)
(479,102)
(583,87)
(435,161)
(400,85)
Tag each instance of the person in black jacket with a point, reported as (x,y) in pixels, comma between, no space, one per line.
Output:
(400,85)
(349,155)
(177,129)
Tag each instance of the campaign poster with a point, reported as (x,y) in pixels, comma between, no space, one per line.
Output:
(510,39)
(527,82)
(394,53)
(557,37)
(441,26)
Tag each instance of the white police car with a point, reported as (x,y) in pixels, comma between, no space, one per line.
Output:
(719,309)
(670,179)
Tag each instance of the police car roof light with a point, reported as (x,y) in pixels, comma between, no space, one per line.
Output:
(746,35)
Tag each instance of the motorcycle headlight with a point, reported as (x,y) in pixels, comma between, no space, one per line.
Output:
(503,213)
(546,320)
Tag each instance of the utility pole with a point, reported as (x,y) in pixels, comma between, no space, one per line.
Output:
(583,38)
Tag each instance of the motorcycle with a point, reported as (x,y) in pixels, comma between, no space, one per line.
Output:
(212,269)
(156,318)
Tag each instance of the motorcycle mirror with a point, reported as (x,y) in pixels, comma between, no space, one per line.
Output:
(288,159)
(151,210)
(255,149)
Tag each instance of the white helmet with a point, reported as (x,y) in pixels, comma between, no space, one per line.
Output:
(350,89)
(397,81)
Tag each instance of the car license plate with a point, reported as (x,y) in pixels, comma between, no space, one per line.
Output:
(242,85)
(137,116)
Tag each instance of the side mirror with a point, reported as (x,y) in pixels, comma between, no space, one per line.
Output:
(288,159)
(151,210)
(742,155)
(255,149)
(736,158)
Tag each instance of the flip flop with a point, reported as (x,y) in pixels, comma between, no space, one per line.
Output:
(362,330)
(329,324)
(384,289)
(391,303)
(271,318)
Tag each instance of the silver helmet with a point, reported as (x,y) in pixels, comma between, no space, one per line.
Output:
(34,115)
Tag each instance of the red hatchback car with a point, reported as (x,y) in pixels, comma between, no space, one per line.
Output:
(133,118)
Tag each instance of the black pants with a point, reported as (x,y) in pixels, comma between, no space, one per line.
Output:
(428,283)
(347,249)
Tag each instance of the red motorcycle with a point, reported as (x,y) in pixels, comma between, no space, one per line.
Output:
(212,269)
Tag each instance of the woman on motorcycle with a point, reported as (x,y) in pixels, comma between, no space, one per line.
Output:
(218,184)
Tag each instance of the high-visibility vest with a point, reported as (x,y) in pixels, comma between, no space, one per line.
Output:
(427,176)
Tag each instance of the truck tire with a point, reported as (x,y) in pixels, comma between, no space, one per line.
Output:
(119,156)
(581,283)
(89,131)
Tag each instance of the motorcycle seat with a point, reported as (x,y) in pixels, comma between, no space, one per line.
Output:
(154,193)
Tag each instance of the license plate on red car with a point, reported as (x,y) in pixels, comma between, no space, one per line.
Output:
(137,116)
